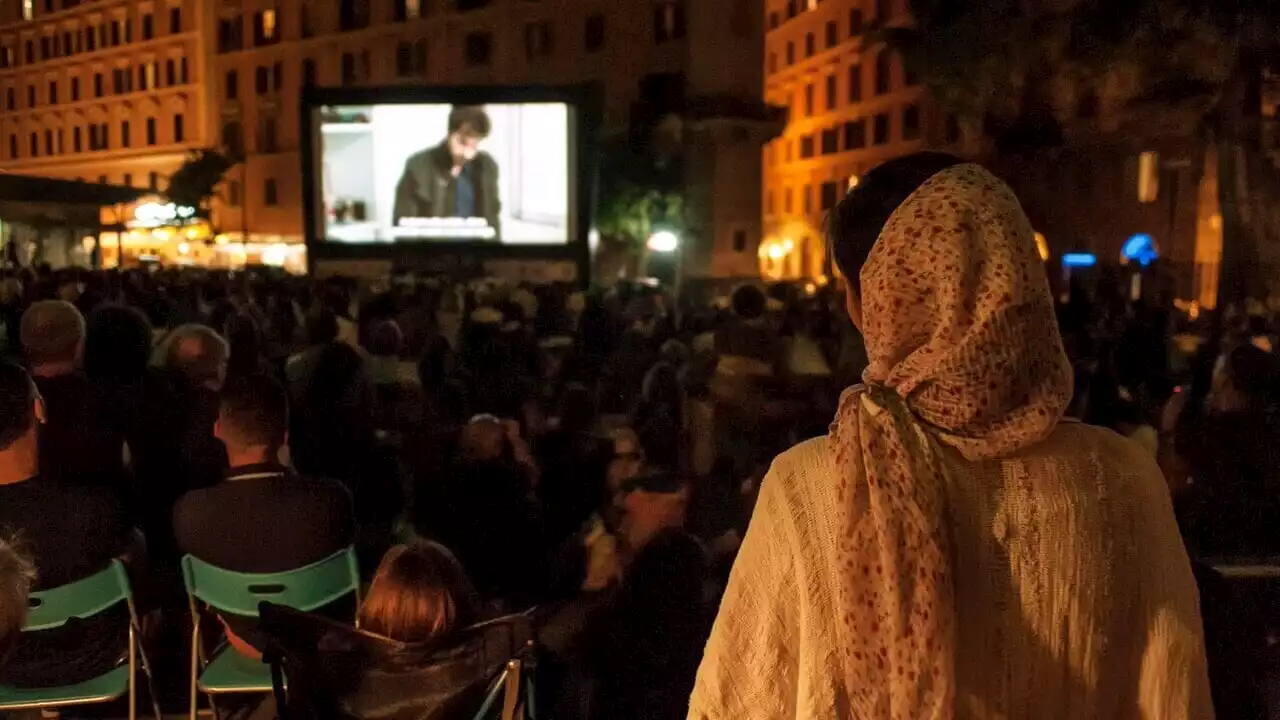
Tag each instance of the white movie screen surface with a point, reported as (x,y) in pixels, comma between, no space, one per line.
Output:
(496,173)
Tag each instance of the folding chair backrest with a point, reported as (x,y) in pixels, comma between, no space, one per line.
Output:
(308,588)
(85,598)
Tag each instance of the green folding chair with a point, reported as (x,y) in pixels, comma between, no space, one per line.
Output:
(232,593)
(53,608)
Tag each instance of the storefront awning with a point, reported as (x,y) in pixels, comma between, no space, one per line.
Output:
(28,189)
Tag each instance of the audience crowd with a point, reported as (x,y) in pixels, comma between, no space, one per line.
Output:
(488,448)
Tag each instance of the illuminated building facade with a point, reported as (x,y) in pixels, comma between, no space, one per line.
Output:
(109,92)
(852,106)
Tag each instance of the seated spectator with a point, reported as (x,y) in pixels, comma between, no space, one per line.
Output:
(489,515)
(420,593)
(264,517)
(69,532)
(16,576)
(77,443)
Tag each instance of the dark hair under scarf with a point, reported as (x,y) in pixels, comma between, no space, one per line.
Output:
(856,223)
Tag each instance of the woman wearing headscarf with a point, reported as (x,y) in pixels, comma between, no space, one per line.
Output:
(954,548)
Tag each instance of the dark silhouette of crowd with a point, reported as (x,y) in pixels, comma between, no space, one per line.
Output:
(489,447)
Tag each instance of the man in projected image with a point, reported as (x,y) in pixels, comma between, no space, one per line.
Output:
(455,179)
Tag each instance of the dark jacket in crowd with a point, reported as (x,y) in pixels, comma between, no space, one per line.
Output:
(428,188)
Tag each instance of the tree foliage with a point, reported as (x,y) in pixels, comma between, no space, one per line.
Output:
(195,183)
(641,187)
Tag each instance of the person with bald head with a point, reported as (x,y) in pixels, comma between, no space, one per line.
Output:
(199,354)
(77,444)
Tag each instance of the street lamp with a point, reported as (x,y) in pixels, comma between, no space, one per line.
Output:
(663,241)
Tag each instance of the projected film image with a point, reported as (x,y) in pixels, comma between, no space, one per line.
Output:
(496,173)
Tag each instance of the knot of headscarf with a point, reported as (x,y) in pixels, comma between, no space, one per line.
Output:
(964,353)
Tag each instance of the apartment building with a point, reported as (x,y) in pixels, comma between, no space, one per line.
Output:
(851,107)
(106,91)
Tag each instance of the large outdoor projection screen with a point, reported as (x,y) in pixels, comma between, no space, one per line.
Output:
(482,172)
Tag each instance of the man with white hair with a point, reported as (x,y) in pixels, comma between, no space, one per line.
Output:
(76,444)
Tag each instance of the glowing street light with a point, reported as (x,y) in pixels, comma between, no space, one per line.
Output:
(663,241)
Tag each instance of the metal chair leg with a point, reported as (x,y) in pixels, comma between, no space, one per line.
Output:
(195,664)
(133,674)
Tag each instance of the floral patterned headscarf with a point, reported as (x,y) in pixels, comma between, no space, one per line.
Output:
(964,352)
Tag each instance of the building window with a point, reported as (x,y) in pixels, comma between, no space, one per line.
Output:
(35,145)
(179,128)
(231,85)
(182,70)
(740,240)
(234,193)
(830,141)
(128,180)
(791,53)
(833,94)
(305,28)
(806,198)
(910,72)
(264,28)
(270,195)
(128,31)
(31,96)
(115,33)
(810,45)
(884,73)
(124,133)
(773,21)
(175,20)
(6,57)
(28,9)
(308,72)
(153,180)
(230,34)
(469,5)
(170,73)
(1148,177)
(10,101)
(233,139)
(151,131)
(75,139)
(262,81)
(911,122)
(90,39)
(787,205)
(348,68)
(478,48)
(53,92)
(98,83)
(833,34)
(855,134)
(277,76)
(48,142)
(593,33)
(537,40)
(29,53)
(45,53)
(884,11)
(829,195)
(952,128)
(808,100)
(268,142)
(880,129)
(407,10)
(806,147)
(855,83)
(353,14)
(668,21)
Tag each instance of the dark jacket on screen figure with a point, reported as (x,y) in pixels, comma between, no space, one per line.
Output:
(428,188)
